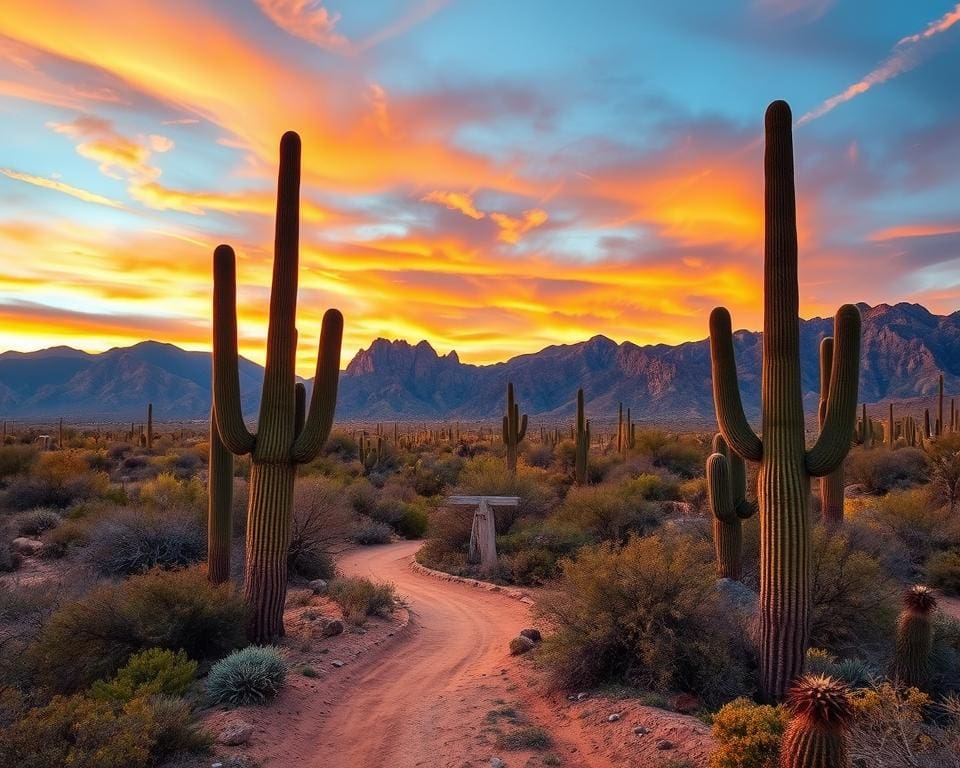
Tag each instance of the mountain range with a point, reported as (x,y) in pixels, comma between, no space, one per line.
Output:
(905,348)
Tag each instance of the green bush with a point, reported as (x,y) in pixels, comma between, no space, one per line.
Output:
(489,476)
(414,520)
(881,471)
(646,614)
(611,512)
(248,676)
(359,597)
(37,521)
(91,638)
(943,571)
(65,537)
(166,492)
(367,532)
(747,735)
(148,673)
(16,459)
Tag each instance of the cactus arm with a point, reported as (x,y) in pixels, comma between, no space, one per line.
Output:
(226,374)
(323,401)
(726,391)
(719,494)
(834,442)
(506,431)
(523,428)
(300,409)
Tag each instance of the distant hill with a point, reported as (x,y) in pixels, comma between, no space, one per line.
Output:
(905,347)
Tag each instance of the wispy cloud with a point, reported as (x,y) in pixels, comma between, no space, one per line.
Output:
(908,53)
(307,19)
(455,201)
(59,186)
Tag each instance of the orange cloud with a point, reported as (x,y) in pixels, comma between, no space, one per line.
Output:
(307,19)
(511,229)
(455,201)
(59,186)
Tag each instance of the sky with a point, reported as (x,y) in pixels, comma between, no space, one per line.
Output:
(493,176)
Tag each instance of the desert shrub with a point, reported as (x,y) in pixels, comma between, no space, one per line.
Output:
(646,614)
(945,654)
(9,560)
(136,540)
(414,520)
(853,672)
(359,597)
(611,512)
(248,676)
(37,521)
(166,492)
(747,735)
(943,571)
(694,493)
(16,459)
(91,638)
(64,537)
(909,519)
(853,602)
(152,672)
(531,554)
(448,534)
(525,737)
(362,497)
(368,532)
(321,523)
(488,476)
(175,731)
(880,471)
(539,455)
(57,480)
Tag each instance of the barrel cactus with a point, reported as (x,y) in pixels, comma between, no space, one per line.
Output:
(278,446)
(726,497)
(514,428)
(915,637)
(817,734)
(786,466)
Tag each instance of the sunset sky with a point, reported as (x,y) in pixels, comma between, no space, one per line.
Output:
(490,176)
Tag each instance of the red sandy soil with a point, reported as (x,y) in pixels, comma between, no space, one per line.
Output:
(425,692)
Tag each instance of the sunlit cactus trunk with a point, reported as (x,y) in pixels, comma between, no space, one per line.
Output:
(514,429)
(280,444)
(726,496)
(831,486)
(219,506)
(582,438)
(911,661)
(785,465)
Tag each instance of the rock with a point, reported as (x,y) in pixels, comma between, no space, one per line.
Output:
(640,730)
(739,595)
(533,634)
(613,718)
(330,627)
(236,733)
(24,546)
(685,704)
(665,744)
(319,586)
(521,644)
(337,663)
(582,696)
(496,762)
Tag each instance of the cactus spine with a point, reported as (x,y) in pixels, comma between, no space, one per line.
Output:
(785,464)
(514,429)
(831,486)
(726,497)
(582,438)
(219,506)
(915,637)
(277,447)
(820,717)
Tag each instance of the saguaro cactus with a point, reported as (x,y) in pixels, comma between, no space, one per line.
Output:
(726,497)
(915,637)
(514,428)
(820,717)
(149,426)
(582,437)
(278,445)
(831,486)
(219,506)
(785,464)
(940,425)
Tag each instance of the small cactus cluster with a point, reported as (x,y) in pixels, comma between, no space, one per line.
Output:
(626,433)
(582,438)
(867,431)
(514,429)
(915,637)
(726,496)
(370,451)
(817,735)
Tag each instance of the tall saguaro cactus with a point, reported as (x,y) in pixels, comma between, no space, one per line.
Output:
(219,506)
(514,428)
(831,486)
(149,426)
(940,425)
(786,466)
(582,438)
(726,497)
(280,443)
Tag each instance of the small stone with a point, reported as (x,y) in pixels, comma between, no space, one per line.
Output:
(571,697)
(496,762)
(582,696)
(532,633)
(331,627)
(337,663)
(640,730)
(521,644)
(235,734)
(318,586)
(665,744)
(24,546)
(613,718)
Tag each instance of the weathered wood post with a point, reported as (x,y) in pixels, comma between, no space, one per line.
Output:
(483,534)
